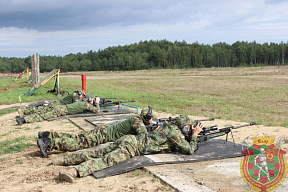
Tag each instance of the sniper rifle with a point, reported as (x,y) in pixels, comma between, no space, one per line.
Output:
(219,132)
(114,103)
(105,102)
(159,122)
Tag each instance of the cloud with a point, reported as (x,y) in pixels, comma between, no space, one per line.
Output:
(72,26)
(75,14)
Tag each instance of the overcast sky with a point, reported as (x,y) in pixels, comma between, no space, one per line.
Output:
(61,27)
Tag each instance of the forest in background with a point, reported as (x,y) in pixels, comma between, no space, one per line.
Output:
(159,54)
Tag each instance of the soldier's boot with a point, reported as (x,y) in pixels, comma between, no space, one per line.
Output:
(42,134)
(43,144)
(68,175)
(58,161)
(20,120)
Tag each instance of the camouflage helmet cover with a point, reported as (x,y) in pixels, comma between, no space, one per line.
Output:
(183,120)
(145,111)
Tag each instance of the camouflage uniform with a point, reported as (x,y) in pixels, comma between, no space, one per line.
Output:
(61,110)
(71,98)
(101,134)
(87,96)
(128,146)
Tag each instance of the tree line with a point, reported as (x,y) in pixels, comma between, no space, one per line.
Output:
(159,54)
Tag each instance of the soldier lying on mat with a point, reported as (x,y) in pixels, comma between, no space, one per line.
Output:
(71,98)
(128,146)
(134,125)
(91,105)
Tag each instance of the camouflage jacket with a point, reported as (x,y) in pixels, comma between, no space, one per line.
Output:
(164,138)
(80,107)
(71,98)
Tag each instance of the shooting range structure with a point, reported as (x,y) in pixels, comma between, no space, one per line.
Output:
(54,73)
(28,73)
(4,90)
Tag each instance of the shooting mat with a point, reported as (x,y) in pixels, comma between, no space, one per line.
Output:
(109,119)
(90,123)
(210,150)
(111,110)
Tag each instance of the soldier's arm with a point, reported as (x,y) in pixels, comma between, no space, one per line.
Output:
(178,140)
(91,108)
(75,97)
(138,125)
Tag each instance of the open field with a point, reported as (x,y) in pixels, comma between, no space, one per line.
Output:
(233,96)
(245,94)
(242,94)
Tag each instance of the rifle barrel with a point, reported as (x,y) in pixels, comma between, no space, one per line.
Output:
(248,124)
(221,132)
(210,119)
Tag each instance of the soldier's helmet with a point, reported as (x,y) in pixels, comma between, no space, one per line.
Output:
(147,113)
(81,92)
(89,100)
(183,120)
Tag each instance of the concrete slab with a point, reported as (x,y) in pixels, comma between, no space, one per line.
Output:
(177,180)
(206,176)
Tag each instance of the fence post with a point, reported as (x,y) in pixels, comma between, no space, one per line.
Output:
(35,69)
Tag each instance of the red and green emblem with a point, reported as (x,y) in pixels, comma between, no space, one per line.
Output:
(264,167)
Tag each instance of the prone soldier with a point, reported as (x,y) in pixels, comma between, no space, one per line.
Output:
(61,110)
(163,138)
(71,98)
(134,125)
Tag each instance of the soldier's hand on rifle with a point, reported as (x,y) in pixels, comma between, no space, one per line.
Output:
(153,128)
(196,130)
(96,100)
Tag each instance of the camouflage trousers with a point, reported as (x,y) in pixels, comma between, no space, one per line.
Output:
(58,111)
(90,161)
(41,109)
(72,142)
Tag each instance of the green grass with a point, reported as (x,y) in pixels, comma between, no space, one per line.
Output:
(14,145)
(239,94)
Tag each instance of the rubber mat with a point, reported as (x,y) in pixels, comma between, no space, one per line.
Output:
(209,150)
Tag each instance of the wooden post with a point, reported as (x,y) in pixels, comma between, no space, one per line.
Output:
(35,69)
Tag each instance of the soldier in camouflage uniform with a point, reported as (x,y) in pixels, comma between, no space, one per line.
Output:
(61,110)
(128,146)
(71,98)
(134,125)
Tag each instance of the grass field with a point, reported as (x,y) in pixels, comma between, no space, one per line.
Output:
(241,94)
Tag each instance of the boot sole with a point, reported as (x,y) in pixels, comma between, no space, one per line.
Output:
(66,177)
(41,149)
